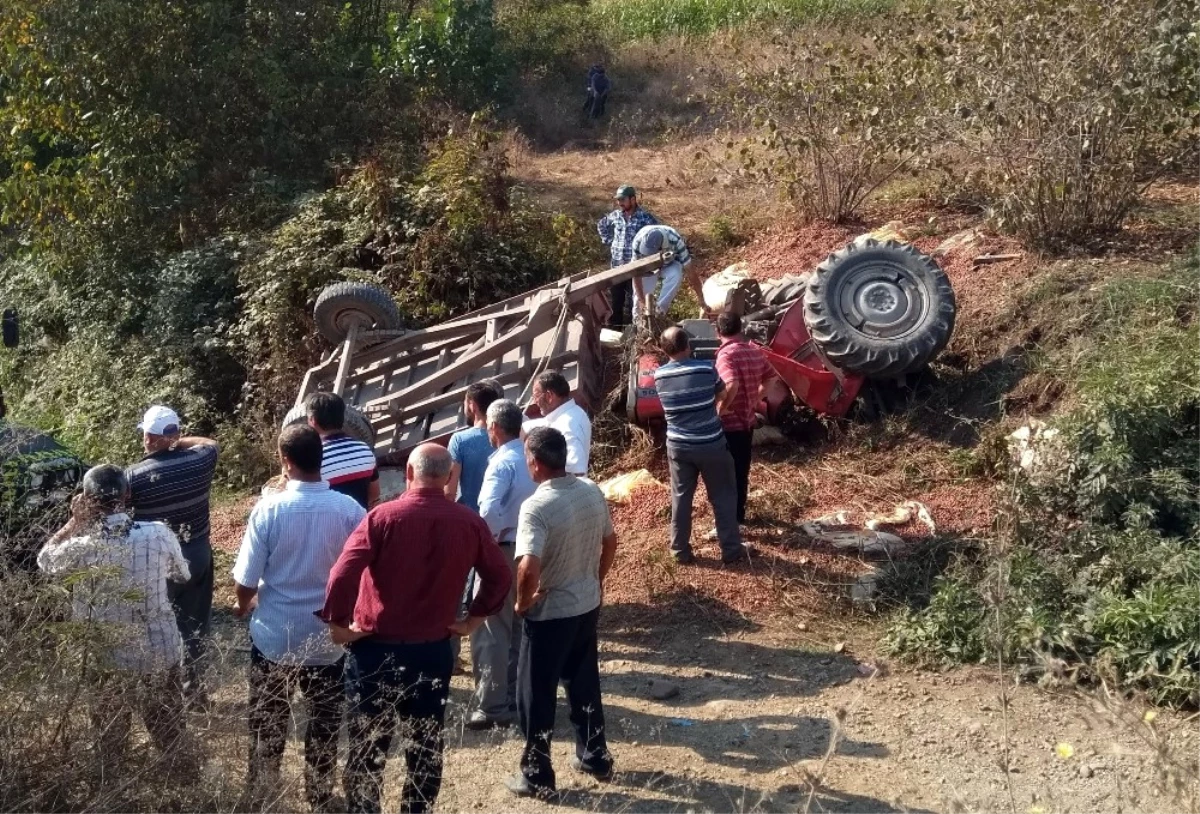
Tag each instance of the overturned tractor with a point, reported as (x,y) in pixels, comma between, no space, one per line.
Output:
(854,331)
(872,315)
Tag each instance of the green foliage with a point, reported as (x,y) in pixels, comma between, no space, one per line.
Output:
(451,50)
(832,117)
(1064,109)
(1100,566)
(655,19)
(546,37)
(139,118)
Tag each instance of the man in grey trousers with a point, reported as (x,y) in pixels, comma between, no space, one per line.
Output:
(692,396)
(496,643)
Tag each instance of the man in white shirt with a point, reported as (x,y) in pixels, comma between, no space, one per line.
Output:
(292,540)
(552,395)
(119,571)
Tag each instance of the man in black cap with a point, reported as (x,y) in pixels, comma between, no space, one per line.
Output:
(617,230)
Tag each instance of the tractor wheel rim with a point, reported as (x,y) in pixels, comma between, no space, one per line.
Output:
(881,301)
(349,319)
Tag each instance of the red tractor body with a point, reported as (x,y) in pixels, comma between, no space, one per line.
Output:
(800,371)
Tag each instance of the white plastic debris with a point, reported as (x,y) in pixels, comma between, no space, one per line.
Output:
(902,514)
(1038,451)
(618,489)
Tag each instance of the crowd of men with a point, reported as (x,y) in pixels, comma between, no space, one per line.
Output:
(358,605)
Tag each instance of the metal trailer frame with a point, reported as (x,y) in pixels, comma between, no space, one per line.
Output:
(410,383)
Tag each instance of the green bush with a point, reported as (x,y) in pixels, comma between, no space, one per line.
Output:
(452,50)
(832,118)
(644,19)
(1098,563)
(1064,110)
(549,38)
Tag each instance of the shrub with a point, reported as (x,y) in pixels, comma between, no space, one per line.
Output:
(644,19)
(450,50)
(1098,564)
(833,121)
(1064,111)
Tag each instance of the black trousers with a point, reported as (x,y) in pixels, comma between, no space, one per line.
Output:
(192,601)
(272,687)
(563,650)
(390,684)
(741,447)
(622,304)
(158,700)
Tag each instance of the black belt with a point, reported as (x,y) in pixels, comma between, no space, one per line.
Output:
(506,542)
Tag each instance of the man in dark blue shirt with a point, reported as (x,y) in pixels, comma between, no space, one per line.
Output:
(692,396)
(171,485)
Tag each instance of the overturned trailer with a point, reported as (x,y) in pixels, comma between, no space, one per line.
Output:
(406,387)
(873,313)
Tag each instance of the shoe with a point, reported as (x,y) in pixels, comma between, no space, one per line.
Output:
(683,557)
(712,533)
(519,785)
(479,722)
(743,555)
(605,774)
(197,701)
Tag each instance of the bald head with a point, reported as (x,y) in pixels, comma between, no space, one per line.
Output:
(674,342)
(429,466)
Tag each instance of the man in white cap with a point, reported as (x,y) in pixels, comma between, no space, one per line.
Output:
(651,240)
(171,485)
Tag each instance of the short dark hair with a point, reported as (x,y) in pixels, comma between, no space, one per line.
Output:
(506,416)
(107,485)
(548,447)
(555,382)
(301,445)
(674,340)
(728,324)
(482,393)
(327,409)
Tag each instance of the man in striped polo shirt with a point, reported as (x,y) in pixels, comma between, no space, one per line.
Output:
(692,396)
(171,485)
(347,465)
(744,367)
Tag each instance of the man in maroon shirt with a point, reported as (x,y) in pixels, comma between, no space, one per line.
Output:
(392,599)
(744,368)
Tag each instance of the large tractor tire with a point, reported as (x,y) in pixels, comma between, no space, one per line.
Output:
(356,425)
(879,309)
(343,305)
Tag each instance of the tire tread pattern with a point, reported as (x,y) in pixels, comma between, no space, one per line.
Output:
(853,351)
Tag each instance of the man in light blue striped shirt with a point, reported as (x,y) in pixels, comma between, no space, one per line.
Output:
(692,397)
(292,540)
(496,644)
(652,240)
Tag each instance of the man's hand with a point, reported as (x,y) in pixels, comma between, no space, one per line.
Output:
(346,635)
(465,627)
(240,611)
(521,610)
(84,509)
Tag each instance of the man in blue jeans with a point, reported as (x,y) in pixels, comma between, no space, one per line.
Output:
(617,230)
(495,646)
(392,598)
